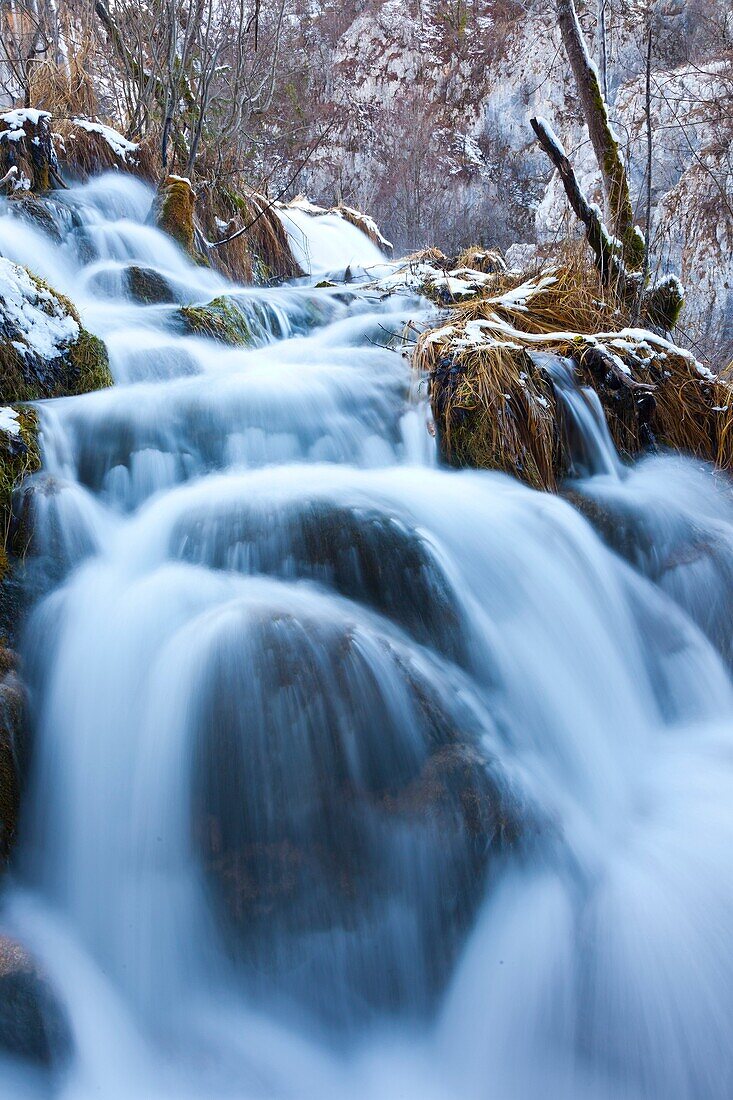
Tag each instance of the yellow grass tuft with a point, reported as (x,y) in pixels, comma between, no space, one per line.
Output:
(494,408)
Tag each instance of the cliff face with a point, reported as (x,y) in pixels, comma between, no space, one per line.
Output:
(430,103)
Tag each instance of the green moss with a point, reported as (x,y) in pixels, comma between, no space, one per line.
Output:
(90,364)
(173,212)
(15,383)
(634,247)
(79,367)
(220,319)
(148,286)
(19,456)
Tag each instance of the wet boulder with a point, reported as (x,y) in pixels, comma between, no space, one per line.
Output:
(147,286)
(361,552)
(35,212)
(348,817)
(173,212)
(221,319)
(44,350)
(33,1025)
(142,284)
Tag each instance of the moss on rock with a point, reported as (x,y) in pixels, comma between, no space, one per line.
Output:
(173,210)
(221,319)
(19,456)
(44,350)
(663,304)
(147,286)
(90,364)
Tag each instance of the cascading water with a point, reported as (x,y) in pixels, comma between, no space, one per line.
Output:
(353,776)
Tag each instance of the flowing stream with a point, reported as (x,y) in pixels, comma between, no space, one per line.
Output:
(353,776)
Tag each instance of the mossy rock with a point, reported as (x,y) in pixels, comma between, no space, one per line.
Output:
(147,286)
(19,456)
(90,364)
(221,319)
(44,351)
(173,210)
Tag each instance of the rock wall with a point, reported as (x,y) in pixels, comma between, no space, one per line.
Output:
(432,102)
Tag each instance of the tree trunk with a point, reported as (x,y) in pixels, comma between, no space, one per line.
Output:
(613,173)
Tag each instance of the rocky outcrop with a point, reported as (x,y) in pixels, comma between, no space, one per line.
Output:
(39,150)
(44,350)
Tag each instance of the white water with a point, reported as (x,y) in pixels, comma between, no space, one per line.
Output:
(328,244)
(262,611)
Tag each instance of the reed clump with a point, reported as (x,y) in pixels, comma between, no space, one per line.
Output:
(65,90)
(489,261)
(493,400)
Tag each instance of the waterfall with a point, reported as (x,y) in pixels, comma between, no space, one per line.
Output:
(326,244)
(352,775)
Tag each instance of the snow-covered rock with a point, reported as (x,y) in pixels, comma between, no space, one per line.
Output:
(44,351)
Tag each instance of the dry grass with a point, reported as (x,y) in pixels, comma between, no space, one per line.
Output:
(497,411)
(494,408)
(429,256)
(489,261)
(567,298)
(62,92)
(263,253)
(84,153)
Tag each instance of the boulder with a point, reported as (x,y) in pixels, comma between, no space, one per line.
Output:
(220,319)
(173,212)
(33,1025)
(352,792)
(44,350)
(147,286)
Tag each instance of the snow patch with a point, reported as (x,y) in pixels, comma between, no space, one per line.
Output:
(119,145)
(9,422)
(33,313)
